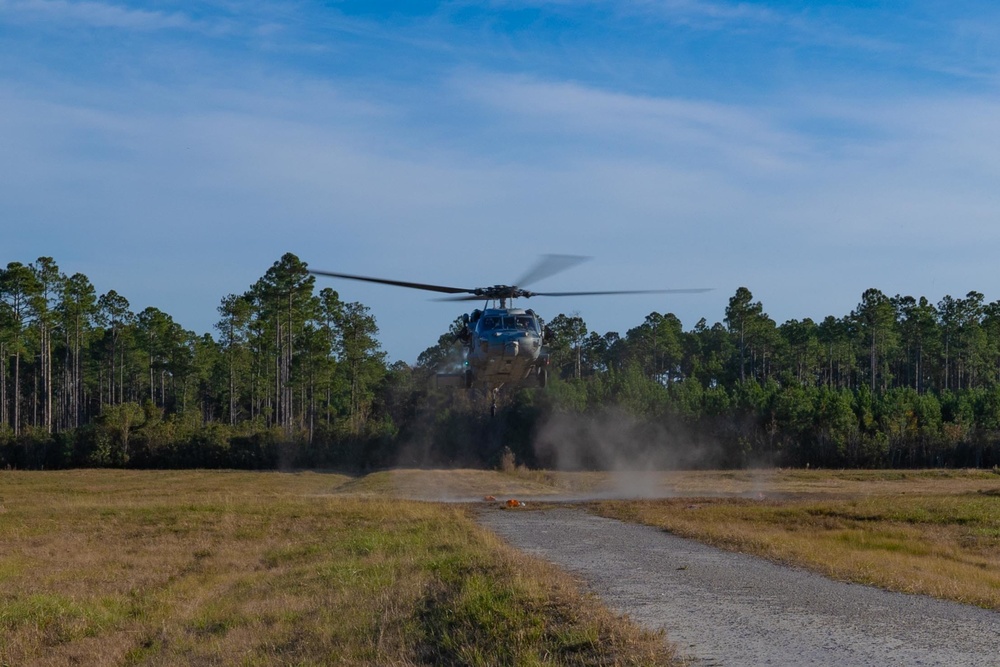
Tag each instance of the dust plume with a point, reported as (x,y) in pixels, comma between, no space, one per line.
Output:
(634,450)
(453,361)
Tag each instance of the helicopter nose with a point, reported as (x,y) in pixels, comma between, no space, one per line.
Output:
(510,349)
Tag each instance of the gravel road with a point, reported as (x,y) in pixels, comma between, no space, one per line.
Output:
(729,609)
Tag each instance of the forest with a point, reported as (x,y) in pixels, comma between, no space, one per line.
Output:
(295,378)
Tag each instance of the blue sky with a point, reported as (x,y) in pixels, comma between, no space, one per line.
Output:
(809,151)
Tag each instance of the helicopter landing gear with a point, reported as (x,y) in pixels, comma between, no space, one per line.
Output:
(542,377)
(468,378)
(493,402)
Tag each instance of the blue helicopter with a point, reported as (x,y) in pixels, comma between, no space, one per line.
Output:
(504,346)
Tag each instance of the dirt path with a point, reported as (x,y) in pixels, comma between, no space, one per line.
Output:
(729,609)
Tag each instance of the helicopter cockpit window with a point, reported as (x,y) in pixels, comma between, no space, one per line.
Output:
(507,323)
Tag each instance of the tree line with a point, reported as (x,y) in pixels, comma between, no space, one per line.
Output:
(85,380)
(898,381)
(296,377)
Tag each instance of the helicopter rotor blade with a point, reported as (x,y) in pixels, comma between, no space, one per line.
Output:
(549,265)
(525,294)
(397,283)
(695,290)
(471,297)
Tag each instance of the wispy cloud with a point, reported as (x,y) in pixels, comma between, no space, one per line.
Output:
(695,131)
(96,15)
(704,13)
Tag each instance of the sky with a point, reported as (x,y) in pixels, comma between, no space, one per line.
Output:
(173,151)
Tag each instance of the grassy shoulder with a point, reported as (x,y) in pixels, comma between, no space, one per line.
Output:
(157,568)
(930,532)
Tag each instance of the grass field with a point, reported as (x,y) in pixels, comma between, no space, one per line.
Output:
(101,567)
(931,532)
(232,568)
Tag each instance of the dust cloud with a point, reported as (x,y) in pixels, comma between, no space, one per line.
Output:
(634,451)
(453,362)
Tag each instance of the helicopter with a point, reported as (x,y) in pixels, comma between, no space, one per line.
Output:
(504,345)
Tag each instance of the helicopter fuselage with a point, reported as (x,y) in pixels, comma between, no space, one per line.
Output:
(505,347)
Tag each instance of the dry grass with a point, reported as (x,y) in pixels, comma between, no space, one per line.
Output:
(231,568)
(470,485)
(449,485)
(931,532)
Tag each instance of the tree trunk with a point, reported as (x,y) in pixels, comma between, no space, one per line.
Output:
(17,392)
(4,413)
(48,382)
(276,417)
